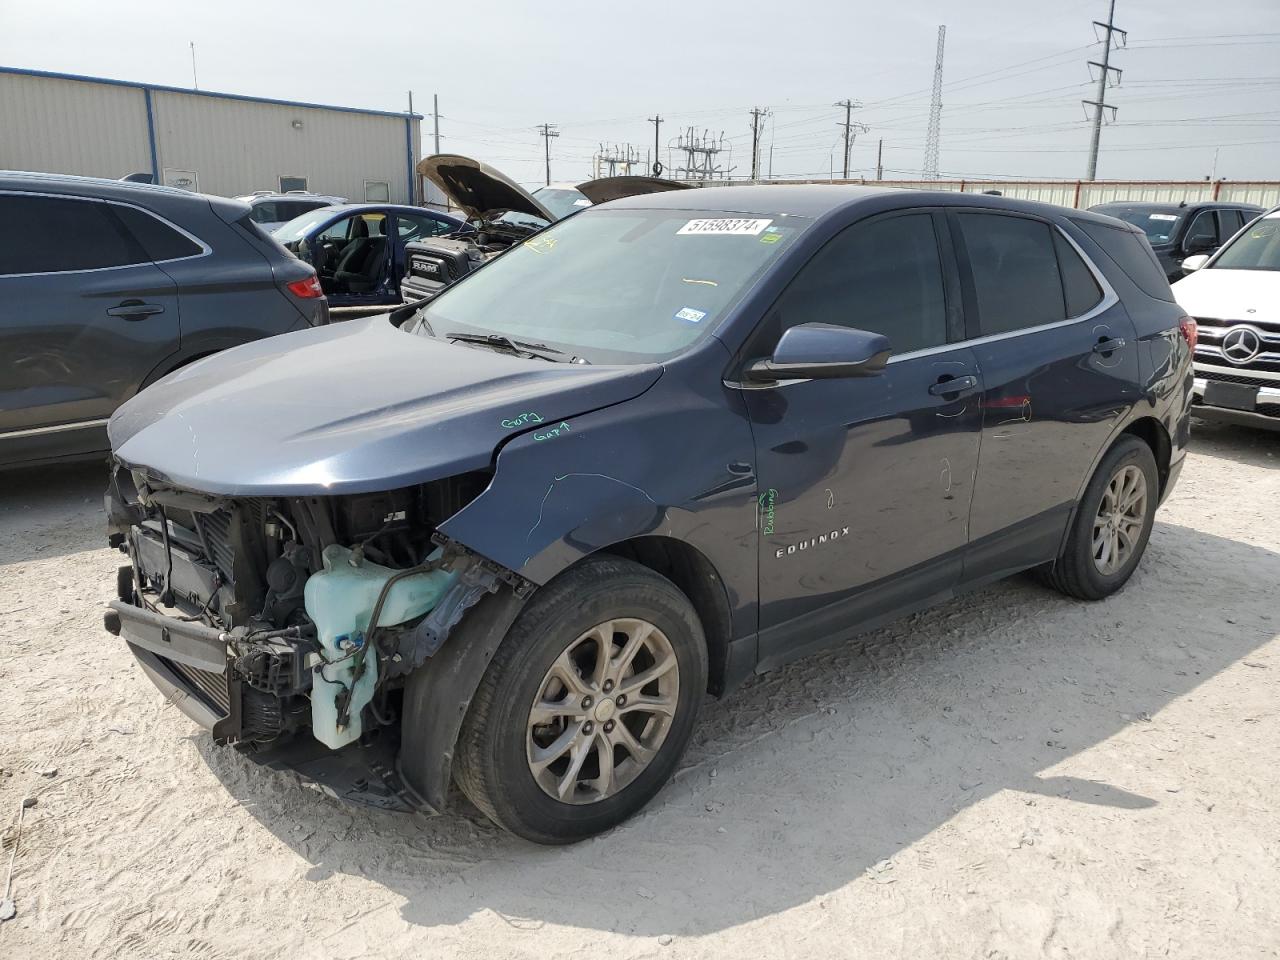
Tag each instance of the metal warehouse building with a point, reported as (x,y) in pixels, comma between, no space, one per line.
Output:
(216,143)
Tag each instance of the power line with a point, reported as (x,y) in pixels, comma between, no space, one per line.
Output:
(1100,105)
(935,112)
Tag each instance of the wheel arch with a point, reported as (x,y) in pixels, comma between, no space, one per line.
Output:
(697,578)
(1152,432)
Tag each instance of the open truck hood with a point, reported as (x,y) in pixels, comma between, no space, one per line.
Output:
(354,407)
(615,188)
(478,189)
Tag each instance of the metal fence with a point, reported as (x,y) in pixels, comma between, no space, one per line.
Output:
(1081,194)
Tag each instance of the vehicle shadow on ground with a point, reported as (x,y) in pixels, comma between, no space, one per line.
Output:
(1240,444)
(816,774)
(63,502)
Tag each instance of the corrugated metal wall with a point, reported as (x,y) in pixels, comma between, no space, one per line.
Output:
(64,126)
(1082,193)
(232,146)
(237,146)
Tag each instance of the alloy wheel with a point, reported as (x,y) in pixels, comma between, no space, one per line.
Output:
(602,711)
(1117,528)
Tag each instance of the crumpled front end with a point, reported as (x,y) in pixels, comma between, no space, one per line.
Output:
(277,620)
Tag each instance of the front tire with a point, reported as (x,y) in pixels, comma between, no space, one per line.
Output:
(1112,525)
(587,706)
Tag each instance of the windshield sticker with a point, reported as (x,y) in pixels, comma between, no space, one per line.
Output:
(690,314)
(1162,216)
(552,432)
(521,420)
(725,227)
(582,202)
(770,237)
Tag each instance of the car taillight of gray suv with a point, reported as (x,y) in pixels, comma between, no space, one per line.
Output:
(107,286)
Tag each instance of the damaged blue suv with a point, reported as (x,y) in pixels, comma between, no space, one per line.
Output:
(511,538)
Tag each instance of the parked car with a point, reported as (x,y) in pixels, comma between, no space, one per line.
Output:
(358,249)
(499,213)
(271,210)
(1180,230)
(515,534)
(106,286)
(1235,297)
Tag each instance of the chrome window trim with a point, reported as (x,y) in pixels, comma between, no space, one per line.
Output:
(59,428)
(205,249)
(1109,299)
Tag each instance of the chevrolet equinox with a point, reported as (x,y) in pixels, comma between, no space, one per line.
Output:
(509,539)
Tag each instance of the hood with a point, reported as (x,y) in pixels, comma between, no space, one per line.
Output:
(354,407)
(478,188)
(615,188)
(1214,294)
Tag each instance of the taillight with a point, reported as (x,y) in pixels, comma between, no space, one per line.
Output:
(306,289)
(1190,332)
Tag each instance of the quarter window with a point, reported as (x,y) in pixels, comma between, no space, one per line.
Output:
(158,239)
(54,235)
(1016,281)
(884,277)
(1079,287)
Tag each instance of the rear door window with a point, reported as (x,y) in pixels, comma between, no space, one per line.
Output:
(1014,268)
(55,235)
(1228,223)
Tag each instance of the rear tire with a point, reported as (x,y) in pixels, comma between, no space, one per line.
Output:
(1110,530)
(559,743)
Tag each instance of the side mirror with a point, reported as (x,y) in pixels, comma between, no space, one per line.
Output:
(1192,264)
(1194,245)
(820,351)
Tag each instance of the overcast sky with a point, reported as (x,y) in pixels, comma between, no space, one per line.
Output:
(1200,78)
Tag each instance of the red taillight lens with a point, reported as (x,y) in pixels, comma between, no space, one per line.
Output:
(1190,332)
(306,289)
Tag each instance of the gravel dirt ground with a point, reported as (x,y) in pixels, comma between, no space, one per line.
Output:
(1010,775)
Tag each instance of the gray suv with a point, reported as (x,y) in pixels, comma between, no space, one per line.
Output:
(105,287)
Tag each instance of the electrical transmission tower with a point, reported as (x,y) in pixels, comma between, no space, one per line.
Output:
(701,152)
(935,113)
(851,129)
(618,160)
(548,131)
(757,114)
(1099,104)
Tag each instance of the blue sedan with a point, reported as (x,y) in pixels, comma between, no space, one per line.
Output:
(357,249)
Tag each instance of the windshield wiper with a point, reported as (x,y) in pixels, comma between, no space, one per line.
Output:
(539,350)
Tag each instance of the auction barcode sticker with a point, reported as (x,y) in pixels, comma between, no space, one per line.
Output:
(726,227)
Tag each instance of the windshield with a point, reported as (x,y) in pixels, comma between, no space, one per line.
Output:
(617,286)
(561,201)
(1257,248)
(1156,222)
(299,227)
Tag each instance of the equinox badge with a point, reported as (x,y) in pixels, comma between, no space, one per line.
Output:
(817,541)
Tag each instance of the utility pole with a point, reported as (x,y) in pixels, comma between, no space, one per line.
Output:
(195,81)
(1099,104)
(656,120)
(757,114)
(848,125)
(880,160)
(548,130)
(435,119)
(935,112)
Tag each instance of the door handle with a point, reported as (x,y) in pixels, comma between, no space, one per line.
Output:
(1108,344)
(135,310)
(954,387)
